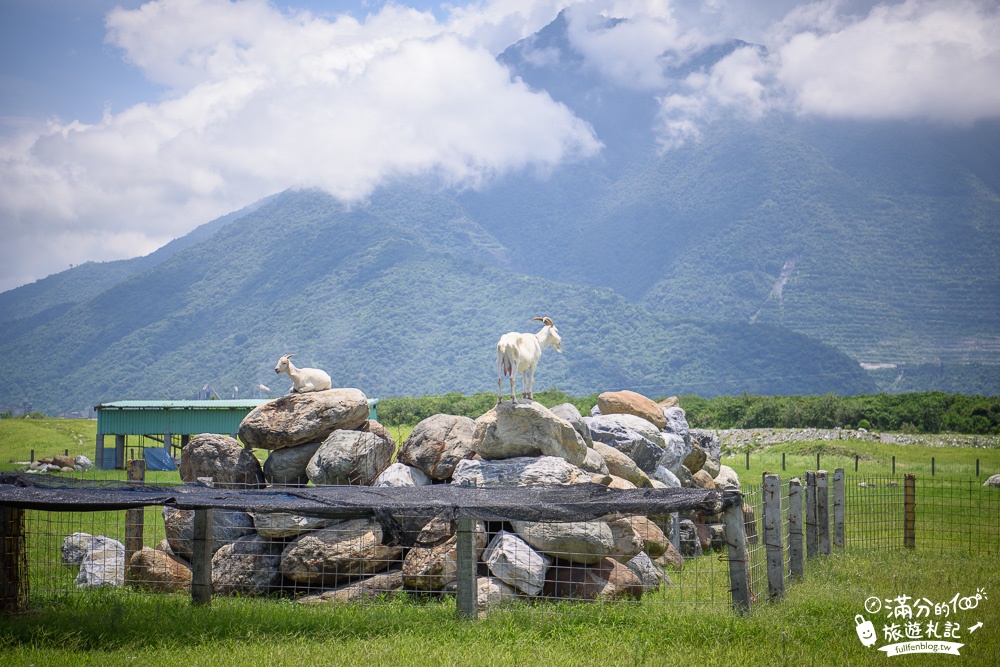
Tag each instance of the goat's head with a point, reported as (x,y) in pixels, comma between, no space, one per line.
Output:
(552,335)
(282,366)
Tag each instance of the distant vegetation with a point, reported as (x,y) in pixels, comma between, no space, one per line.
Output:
(931,412)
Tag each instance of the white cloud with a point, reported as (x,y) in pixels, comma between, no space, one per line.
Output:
(261,101)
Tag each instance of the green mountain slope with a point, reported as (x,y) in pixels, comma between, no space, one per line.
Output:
(390,308)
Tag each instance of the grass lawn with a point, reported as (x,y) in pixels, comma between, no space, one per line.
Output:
(815,625)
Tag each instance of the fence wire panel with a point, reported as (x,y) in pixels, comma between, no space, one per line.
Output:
(957,516)
(753,514)
(873,512)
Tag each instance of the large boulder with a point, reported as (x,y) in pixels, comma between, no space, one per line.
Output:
(432,568)
(74,547)
(677,423)
(222,459)
(727,479)
(511,560)
(400,474)
(696,458)
(288,466)
(620,465)
(103,564)
(248,566)
(491,591)
(707,440)
(654,542)
(630,403)
(577,541)
(350,457)
(526,428)
(522,471)
(438,443)
(993,481)
(571,413)
(300,418)
(648,573)
(338,554)
(279,525)
(158,572)
(675,450)
(607,579)
(369,587)
(227,526)
(594,462)
(633,436)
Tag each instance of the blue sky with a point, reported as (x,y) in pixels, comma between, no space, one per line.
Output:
(126,124)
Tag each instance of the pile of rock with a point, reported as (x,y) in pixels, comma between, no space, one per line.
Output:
(325,437)
(59,463)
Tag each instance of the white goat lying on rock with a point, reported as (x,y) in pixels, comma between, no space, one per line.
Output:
(520,352)
(303,379)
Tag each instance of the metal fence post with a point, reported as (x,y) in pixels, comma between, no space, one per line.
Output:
(909,511)
(13,561)
(775,550)
(812,541)
(739,562)
(465,595)
(201,558)
(823,511)
(796,564)
(838,507)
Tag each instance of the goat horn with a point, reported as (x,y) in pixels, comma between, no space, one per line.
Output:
(538,319)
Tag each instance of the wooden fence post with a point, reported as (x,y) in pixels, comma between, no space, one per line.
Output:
(823,511)
(838,507)
(796,564)
(773,544)
(910,511)
(812,542)
(739,562)
(201,558)
(134,518)
(466,595)
(13,561)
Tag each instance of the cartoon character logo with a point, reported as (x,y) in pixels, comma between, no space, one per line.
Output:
(866,631)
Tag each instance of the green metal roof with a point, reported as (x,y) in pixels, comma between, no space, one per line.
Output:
(182,405)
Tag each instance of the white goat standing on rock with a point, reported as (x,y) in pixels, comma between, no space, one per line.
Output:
(303,379)
(520,352)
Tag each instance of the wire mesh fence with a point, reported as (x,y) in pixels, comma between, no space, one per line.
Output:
(677,558)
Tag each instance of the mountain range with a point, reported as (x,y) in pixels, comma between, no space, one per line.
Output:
(777,255)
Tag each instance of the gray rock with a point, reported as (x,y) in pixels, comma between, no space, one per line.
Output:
(75,546)
(994,481)
(350,457)
(227,526)
(434,568)
(570,413)
(684,475)
(523,471)
(690,544)
(628,543)
(595,463)
(707,440)
(526,428)
(712,467)
(633,436)
(300,418)
(665,477)
(677,423)
(288,466)
(82,462)
(511,560)
(279,525)
(400,474)
(248,566)
(491,591)
(577,542)
(438,443)
(675,450)
(103,564)
(650,576)
(223,460)
(333,556)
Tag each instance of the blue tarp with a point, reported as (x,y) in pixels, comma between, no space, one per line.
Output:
(158,459)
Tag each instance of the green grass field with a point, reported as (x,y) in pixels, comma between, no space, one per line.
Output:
(957,550)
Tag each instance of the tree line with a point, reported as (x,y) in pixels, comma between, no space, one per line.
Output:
(926,412)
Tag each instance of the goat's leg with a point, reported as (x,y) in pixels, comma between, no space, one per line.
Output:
(499,390)
(513,376)
(530,373)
